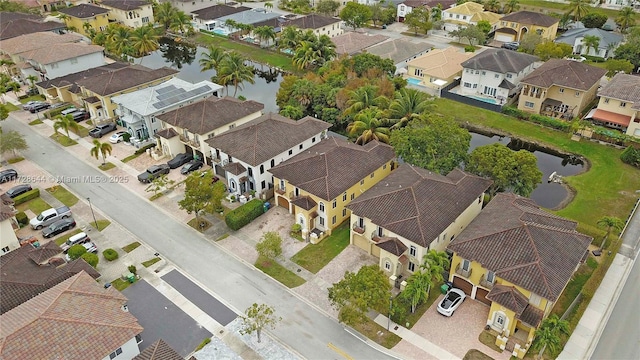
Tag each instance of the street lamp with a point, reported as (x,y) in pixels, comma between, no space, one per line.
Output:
(390,305)
(92,214)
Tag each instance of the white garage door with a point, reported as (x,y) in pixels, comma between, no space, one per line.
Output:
(504,37)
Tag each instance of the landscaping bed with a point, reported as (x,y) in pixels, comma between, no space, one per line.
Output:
(36,205)
(315,257)
(63,195)
(278,272)
(63,140)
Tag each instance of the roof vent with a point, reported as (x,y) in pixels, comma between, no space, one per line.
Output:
(125,308)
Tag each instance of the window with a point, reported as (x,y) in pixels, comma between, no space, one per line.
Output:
(360,222)
(372,175)
(262,168)
(464,17)
(477,72)
(417,72)
(321,220)
(321,206)
(300,147)
(145,19)
(232,126)
(353,196)
(467,85)
(412,266)
(497,76)
(561,90)
(379,231)
(528,104)
(297,192)
(384,167)
(362,182)
(273,163)
(250,171)
(344,212)
(290,152)
(475,86)
(282,187)
(185,133)
(115,353)
(387,265)
(333,220)
(577,93)
(74,60)
(623,104)
(313,139)
(5,249)
(263,184)
(138,338)
(466,264)
(335,203)
(491,277)
(509,76)
(344,196)
(413,251)
(606,101)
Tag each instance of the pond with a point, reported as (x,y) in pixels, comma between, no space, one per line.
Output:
(547,194)
(185,58)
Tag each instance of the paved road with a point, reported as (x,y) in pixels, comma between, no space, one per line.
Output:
(303,328)
(621,336)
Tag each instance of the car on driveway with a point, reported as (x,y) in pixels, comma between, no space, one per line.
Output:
(514,45)
(117,137)
(18,190)
(192,165)
(38,107)
(29,104)
(153,172)
(451,302)
(58,227)
(103,129)
(7,175)
(179,160)
(91,248)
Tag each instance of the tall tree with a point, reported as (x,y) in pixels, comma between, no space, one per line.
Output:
(610,224)
(492,5)
(268,5)
(594,20)
(630,50)
(265,34)
(417,289)
(550,49)
(578,9)
(164,13)
(377,13)
(626,18)
(419,19)
(200,195)
(212,59)
(362,98)
(355,15)
(101,148)
(548,334)
(144,40)
(289,38)
(258,317)
(181,22)
(615,66)
(234,71)
(327,7)
(367,127)
(32,80)
(270,246)
(591,42)
(65,122)
(511,6)
(12,141)
(408,105)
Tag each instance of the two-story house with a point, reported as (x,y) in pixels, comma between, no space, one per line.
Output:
(405,7)
(560,88)
(317,185)
(8,239)
(187,128)
(98,91)
(132,13)
(619,104)
(400,51)
(320,25)
(607,44)
(469,13)
(16,24)
(496,73)
(137,110)
(514,26)
(207,18)
(412,211)
(249,17)
(76,319)
(516,258)
(436,69)
(95,16)
(247,152)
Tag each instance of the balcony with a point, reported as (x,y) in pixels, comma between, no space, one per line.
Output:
(359,229)
(216,160)
(374,236)
(484,283)
(281,190)
(189,142)
(462,272)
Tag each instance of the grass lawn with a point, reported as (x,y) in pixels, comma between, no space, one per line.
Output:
(63,140)
(252,52)
(150,262)
(102,224)
(129,248)
(106,166)
(474,354)
(315,257)
(279,272)
(194,224)
(130,157)
(32,98)
(36,205)
(36,122)
(561,8)
(10,107)
(203,344)
(574,286)
(489,339)
(66,237)
(224,236)
(607,189)
(377,333)
(14,160)
(62,194)
(120,284)
(82,131)
(412,319)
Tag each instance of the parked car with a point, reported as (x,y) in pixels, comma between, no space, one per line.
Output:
(117,137)
(79,238)
(57,105)
(91,248)
(58,227)
(103,129)
(7,175)
(49,216)
(451,302)
(39,107)
(514,45)
(192,165)
(69,110)
(18,190)
(153,172)
(29,104)
(179,160)
(80,115)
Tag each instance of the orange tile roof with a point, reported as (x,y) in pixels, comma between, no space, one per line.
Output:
(612,117)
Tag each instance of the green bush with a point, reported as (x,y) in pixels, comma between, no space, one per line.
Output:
(596,59)
(132,269)
(29,195)
(631,156)
(144,148)
(76,251)
(515,112)
(550,122)
(244,214)
(469,48)
(22,218)
(91,259)
(110,254)
(126,137)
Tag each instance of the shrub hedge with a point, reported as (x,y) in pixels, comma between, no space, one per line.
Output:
(144,148)
(631,156)
(29,195)
(110,254)
(244,214)
(22,218)
(538,119)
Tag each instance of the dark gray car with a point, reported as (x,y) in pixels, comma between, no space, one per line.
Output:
(18,190)
(103,129)
(58,227)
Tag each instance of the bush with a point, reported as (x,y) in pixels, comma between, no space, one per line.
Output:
(631,156)
(76,251)
(144,148)
(296,228)
(126,137)
(29,195)
(469,48)
(550,122)
(22,218)
(91,259)
(596,59)
(243,215)
(512,111)
(132,269)
(110,254)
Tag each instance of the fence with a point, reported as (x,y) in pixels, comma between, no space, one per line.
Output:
(445,93)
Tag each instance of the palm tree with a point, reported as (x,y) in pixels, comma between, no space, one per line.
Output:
(163,14)
(609,223)
(118,40)
(626,18)
(408,105)
(326,49)
(233,70)
(363,98)
(268,5)
(511,6)
(180,22)
(292,112)
(32,80)
(100,148)
(591,42)
(492,5)
(435,258)
(144,40)
(289,38)
(367,126)
(231,24)
(305,55)
(65,122)
(548,334)
(417,289)
(265,33)
(578,8)
(212,59)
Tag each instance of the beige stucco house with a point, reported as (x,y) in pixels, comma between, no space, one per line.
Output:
(619,105)
(132,13)
(8,239)
(436,69)
(514,26)
(466,14)
(560,88)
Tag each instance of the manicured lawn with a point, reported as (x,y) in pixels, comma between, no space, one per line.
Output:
(36,122)
(63,140)
(252,52)
(377,333)
(102,224)
(36,205)
(489,339)
(120,284)
(279,272)
(315,257)
(62,194)
(61,240)
(129,248)
(32,98)
(130,157)
(10,107)
(106,166)
(151,262)
(82,131)
(194,223)
(474,354)
(607,189)
(561,8)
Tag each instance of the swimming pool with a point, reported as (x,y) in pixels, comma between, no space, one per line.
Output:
(413,81)
(487,100)
(220,31)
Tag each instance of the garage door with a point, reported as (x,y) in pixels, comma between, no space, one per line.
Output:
(283,202)
(481,295)
(504,37)
(463,285)
(361,242)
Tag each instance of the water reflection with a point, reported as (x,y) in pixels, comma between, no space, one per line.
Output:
(177,53)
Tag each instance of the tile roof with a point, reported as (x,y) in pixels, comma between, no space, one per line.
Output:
(509,297)
(311,21)
(6,212)
(218,11)
(500,60)
(29,42)
(76,319)
(124,4)
(254,142)
(304,202)
(429,3)
(468,8)
(441,63)
(84,11)
(530,18)
(531,316)
(623,87)
(392,245)
(25,273)
(489,16)
(167,133)
(523,245)
(235,168)
(607,38)
(159,350)
(418,204)
(212,113)
(60,52)
(352,42)
(399,50)
(71,79)
(321,169)
(251,17)
(16,24)
(123,79)
(566,73)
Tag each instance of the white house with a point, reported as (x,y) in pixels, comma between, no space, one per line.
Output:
(8,239)
(138,109)
(207,18)
(132,13)
(608,41)
(400,51)
(495,73)
(320,25)
(405,8)
(466,14)
(246,153)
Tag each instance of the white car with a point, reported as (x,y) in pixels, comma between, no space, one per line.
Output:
(451,301)
(117,137)
(91,248)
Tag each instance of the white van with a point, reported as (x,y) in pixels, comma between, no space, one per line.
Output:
(80,238)
(68,111)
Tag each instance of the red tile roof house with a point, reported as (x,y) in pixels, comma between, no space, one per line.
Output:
(76,319)
(412,211)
